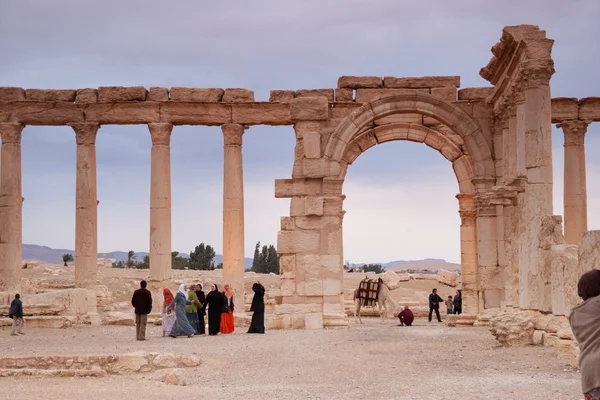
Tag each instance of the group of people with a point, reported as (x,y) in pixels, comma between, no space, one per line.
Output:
(184,314)
(453,305)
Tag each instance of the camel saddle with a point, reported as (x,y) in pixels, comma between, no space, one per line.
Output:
(368,291)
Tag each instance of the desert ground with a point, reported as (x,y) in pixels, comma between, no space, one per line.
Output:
(375,360)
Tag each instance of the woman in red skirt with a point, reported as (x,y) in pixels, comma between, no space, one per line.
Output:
(227,314)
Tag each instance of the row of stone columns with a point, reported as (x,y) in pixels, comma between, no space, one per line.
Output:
(86,204)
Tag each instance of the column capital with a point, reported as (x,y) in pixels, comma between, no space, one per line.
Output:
(574,131)
(85,132)
(535,73)
(467,217)
(11,132)
(232,134)
(160,133)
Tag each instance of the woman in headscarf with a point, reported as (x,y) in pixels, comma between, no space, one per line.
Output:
(214,300)
(227,315)
(191,310)
(258,307)
(201,309)
(168,316)
(182,326)
(585,323)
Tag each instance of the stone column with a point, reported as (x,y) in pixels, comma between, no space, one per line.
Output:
(86,206)
(160,210)
(233,211)
(468,254)
(575,194)
(11,206)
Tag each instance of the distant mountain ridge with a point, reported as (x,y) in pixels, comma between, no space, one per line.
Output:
(45,254)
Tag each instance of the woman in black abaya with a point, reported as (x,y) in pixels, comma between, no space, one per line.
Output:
(214,301)
(258,306)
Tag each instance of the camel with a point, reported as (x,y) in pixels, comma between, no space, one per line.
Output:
(384,298)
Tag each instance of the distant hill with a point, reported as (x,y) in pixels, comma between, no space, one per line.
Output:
(431,264)
(45,254)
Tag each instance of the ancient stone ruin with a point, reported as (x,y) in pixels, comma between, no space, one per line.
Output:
(497,138)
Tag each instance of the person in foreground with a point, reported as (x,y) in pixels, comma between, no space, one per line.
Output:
(142,303)
(15,313)
(214,300)
(168,316)
(258,307)
(182,326)
(406,316)
(227,320)
(585,323)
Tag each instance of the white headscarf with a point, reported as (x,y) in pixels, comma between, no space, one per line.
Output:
(182,291)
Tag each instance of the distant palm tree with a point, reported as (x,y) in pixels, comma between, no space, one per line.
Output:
(67,257)
(130,258)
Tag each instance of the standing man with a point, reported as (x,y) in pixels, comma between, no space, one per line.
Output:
(16,314)
(142,302)
(434,304)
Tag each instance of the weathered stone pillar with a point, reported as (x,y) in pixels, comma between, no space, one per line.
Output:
(468,254)
(575,194)
(233,210)
(160,209)
(86,205)
(11,206)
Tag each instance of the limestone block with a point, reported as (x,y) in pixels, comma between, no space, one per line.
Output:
(287,224)
(67,95)
(113,94)
(39,113)
(447,93)
(332,186)
(557,323)
(246,113)
(313,206)
(313,321)
(287,266)
(344,95)
(118,318)
(421,82)
(50,321)
(451,320)
(567,350)
(281,96)
(297,187)
(316,222)
(179,113)
(172,378)
(312,144)
(158,94)
(360,82)
(132,362)
(310,108)
(391,279)
(37,309)
(123,113)
(512,329)
(476,93)
(589,109)
(565,274)
(449,278)
(165,360)
(366,95)
(288,286)
(238,95)
(332,287)
(198,95)
(564,108)
(11,94)
(328,93)
(297,206)
(538,337)
(86,96)
(550,339)
(566,333)
(297,241)
(589,251)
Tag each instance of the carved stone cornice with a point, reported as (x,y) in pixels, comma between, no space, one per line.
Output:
(160,134)
(85,133)
(534,73)
(11,133)
(232,134)
(574,132)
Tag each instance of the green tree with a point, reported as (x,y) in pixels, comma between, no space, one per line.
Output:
(202,257)
(273,260)
(256,259)
(130,258)
(265,260)
(177,261)
(67,257)
(144,264)
(117,264)
(377,268)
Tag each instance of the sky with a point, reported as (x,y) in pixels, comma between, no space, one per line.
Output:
(400,196)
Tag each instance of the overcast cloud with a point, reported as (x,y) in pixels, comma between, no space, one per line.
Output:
(400,197)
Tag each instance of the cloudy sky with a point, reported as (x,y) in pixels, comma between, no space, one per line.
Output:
(400,196)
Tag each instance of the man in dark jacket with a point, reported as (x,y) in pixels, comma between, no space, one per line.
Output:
(16,313)
(142,302)
(434,304)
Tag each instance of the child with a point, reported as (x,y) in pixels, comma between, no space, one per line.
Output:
(449,305)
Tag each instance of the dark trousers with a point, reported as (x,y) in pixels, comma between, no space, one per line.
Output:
(140,326)
(437,313)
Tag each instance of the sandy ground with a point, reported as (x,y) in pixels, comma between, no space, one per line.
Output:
(373,361)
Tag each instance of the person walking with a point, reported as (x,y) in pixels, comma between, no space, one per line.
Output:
(201,310)
(585,324)
(214,300)
(434,304)
(458,302)
(142,303)
(257,325)
(15,313)
(168,316)
(227,320)
(182,326)
(449,305)
(406,316)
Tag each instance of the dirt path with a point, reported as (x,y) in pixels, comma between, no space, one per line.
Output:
(426,361)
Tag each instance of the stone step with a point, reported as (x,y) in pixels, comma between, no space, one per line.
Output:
(52,372)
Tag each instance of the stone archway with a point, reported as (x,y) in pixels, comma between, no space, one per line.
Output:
(310,240)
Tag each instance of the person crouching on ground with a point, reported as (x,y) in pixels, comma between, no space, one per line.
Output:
(16,314)
(585,323)
(406,316)
(142,303)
